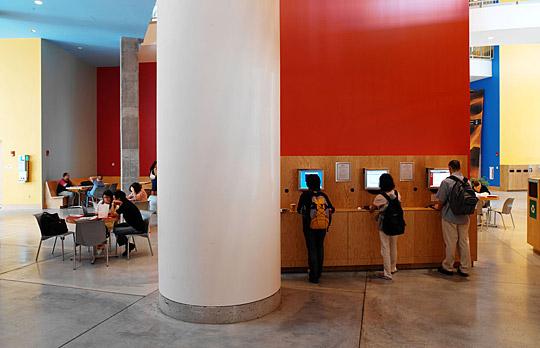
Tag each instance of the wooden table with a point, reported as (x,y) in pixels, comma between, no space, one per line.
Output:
(78,190)
(489,198)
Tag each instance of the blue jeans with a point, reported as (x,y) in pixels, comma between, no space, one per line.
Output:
(69,195)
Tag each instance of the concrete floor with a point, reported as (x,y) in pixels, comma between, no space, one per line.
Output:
(47,304)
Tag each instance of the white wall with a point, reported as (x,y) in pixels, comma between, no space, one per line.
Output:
(68,114)
(218,151)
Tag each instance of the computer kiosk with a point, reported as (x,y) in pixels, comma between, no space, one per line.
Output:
(533,222)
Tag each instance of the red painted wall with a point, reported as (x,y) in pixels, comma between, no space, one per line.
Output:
(108,119)
(374,77)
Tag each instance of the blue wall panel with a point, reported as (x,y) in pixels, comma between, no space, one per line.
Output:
(491,121)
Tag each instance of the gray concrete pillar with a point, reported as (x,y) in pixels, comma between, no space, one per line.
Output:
(129,112)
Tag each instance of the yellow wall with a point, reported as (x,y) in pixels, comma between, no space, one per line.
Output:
(20,119)
(520,104)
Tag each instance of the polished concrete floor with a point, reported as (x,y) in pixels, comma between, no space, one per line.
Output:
(47,304)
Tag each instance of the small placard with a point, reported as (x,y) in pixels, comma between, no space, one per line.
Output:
(406,171)
(532,209)
(343,171)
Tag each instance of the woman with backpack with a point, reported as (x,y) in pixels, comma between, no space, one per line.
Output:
(391,223)
(316,210)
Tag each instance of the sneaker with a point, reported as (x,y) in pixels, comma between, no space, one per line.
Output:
(131,247)
(461,273)
(381,275)
(441,270)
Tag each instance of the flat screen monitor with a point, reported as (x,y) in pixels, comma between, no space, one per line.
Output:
(436,177)
(371,178)
(302,173)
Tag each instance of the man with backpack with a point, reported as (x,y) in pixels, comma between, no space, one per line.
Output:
(457,201)
(316,210)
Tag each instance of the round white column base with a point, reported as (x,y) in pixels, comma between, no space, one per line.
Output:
(219,314)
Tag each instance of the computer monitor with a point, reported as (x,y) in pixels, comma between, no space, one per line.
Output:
(436,176)
(302,173)
(371,178)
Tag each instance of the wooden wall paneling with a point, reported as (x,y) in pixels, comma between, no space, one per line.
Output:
(428,240)
(336,248)
(364,244)
(293,246)
(405,242)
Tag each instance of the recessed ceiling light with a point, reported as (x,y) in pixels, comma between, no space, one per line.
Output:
(38,2)
(33,30)
(490,38)
(79,48)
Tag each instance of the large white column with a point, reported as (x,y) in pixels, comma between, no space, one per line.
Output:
(218,159)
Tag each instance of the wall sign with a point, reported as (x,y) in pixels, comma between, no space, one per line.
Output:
(406,171)
(343,171)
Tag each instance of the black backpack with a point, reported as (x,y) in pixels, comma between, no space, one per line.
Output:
(462,198)
(393,223)
(52,225)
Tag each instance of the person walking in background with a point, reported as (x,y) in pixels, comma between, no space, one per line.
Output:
(61,189)
(153,178)
(316,210)
(137,193)
(457,200)
(391,223)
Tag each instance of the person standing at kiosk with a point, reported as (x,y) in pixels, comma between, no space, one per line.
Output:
(457,201)
(316,210)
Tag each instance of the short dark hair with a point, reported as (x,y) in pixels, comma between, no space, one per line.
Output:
(108,193)
(66,173)
(136,187)
(475,182)
(120,195)
(313,182)
(454,165)
(386,182)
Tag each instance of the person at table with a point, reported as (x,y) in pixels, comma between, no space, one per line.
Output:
(153,178)
(479,187)
(316,210)
(388,242)
(107,199)
(97,182)
(62,188)
(133,224)
(137,193)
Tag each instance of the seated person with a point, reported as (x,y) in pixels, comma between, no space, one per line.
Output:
(134,222)
(479,187)
(107,199)
(61,189)
(137,193)
(97,182)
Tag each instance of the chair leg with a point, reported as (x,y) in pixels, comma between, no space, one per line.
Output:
(75,244)
(150,245)
(54,245)
(74,256)
(504,224)
(80,253)
(513,224)
(62,240)
(107,255)
(133,239)
(38,249)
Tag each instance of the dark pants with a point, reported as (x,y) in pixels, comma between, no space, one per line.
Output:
(121,230)
(315,248)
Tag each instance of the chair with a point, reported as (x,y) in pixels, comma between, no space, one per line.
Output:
(145,234)
(90,234)
(143,206)
(98,193)
(45,236)
(113,187)
(505,210)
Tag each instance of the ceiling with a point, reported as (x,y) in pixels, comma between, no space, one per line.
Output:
(89,29)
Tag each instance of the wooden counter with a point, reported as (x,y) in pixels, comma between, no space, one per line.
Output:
(353,240)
